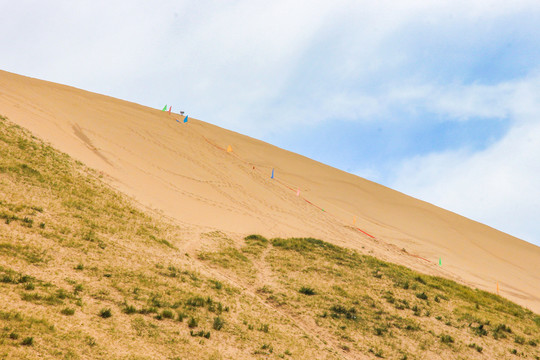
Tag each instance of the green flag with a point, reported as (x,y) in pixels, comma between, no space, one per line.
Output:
(164,108)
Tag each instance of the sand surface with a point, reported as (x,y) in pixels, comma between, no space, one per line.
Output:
(184,171)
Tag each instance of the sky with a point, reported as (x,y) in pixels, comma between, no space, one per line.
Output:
(436,99)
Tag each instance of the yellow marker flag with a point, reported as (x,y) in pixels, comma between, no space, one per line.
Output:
(354,220)
(229,148)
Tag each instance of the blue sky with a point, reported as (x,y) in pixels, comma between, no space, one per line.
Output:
(437,99)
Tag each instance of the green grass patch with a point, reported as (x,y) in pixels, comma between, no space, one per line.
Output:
(68,311)
(306,290)
(228,258)
(105,313)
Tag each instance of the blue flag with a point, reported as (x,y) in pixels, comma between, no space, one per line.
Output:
(271,177)
(185,119)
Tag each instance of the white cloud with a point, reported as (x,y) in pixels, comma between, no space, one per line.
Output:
(517,99)
(497,186)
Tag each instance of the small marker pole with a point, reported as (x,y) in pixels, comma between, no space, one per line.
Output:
(440,262)
(298,192)
(497,287)
(354,220)
(271,177)
(170,107)
(229,148)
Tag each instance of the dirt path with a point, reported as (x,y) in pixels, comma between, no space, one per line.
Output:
(322,338)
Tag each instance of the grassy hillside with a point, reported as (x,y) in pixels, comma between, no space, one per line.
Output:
(85,274)
(364,305)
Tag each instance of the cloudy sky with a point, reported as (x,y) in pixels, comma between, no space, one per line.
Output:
(437,99)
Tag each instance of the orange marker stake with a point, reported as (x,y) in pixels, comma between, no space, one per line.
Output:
(229,148)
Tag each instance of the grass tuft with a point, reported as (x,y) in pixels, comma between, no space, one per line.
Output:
(129,309)
(193,323)
(218,323)
(447,339)
(306,290)
(257,238)
(68,311)
(478,348)
(167,314)
(105,313)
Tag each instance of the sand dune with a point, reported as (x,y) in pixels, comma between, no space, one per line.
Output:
(185,172)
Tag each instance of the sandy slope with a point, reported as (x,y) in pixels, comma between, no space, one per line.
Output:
(184,171)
